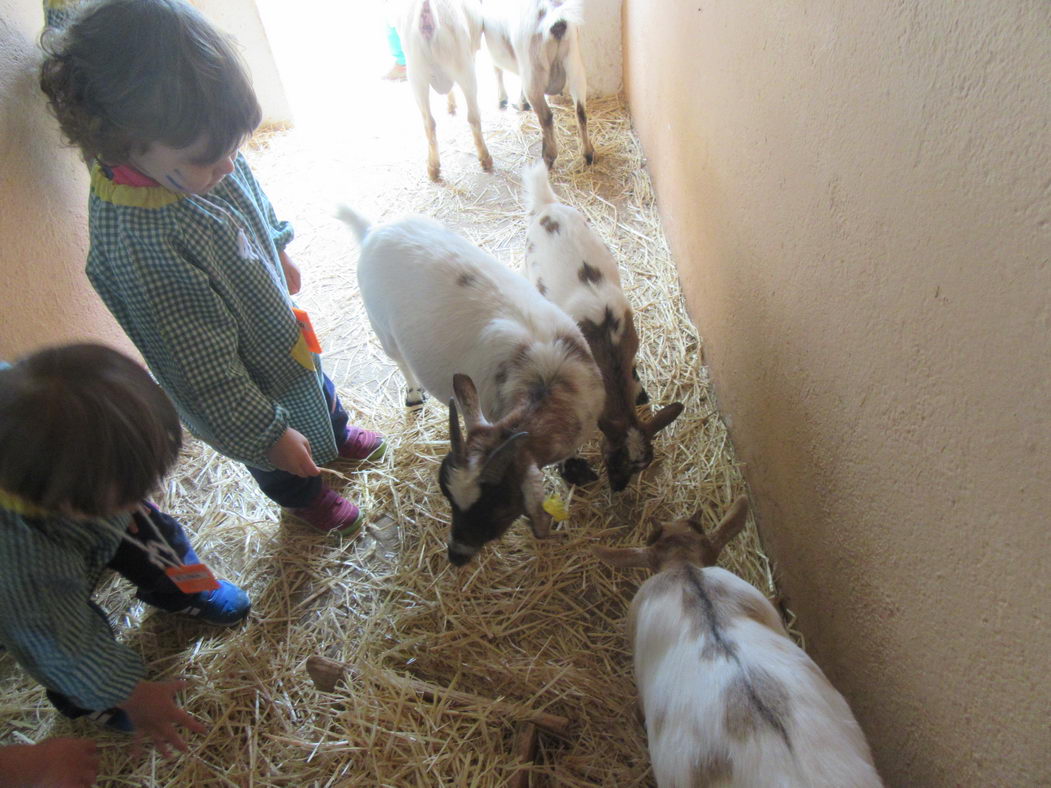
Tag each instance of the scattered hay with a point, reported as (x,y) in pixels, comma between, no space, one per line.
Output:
(538,624)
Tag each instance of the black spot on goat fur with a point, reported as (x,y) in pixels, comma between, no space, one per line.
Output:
(559,29)
(588,273)
(466,279)
(549,224)
(541,287)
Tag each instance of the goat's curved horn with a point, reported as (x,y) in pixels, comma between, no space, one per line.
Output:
(455,436)
(504,455)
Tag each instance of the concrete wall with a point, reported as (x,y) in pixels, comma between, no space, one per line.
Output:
(600,47)
(46,298)
(858,196)
(241,19)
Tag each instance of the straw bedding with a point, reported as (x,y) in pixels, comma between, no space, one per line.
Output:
(536,623)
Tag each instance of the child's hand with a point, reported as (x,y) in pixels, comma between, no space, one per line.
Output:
(152,709)
(54,763)
(291,453)
(292,275)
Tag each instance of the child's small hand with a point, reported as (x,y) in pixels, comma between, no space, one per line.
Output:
(54,763)
(154,712)
(292,275)
(291,453)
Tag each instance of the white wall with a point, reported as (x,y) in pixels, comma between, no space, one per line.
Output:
(600,47)
(240,18)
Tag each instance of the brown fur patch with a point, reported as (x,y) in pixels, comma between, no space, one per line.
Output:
(711,767)
(549,224)
(541,287)
(755,700)
(530,247)
(582,118)
(466,279)
(588,273)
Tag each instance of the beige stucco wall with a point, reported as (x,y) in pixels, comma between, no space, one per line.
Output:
(858,196)
(44,297)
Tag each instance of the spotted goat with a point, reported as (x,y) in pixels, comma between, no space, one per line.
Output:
(569,264)
(440,39)
(537,39)
(728,698)
(477,335)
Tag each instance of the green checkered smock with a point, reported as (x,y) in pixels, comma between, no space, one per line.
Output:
(196,282)
(49,566)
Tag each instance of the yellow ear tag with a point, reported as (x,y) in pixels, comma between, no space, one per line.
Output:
(553,506)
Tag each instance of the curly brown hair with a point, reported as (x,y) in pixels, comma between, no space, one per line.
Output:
(84,429)
(124,74)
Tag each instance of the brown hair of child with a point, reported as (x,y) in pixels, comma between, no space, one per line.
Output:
(124,74)
(83,430)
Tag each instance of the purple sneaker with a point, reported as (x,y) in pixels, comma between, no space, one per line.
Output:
(362,445)
(331,513)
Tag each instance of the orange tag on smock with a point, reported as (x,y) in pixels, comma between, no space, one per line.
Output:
(192,578)
(307,329)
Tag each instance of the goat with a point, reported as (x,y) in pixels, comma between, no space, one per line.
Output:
(440,39)
(524,378)
(569,264)
(537,39)
(728,698)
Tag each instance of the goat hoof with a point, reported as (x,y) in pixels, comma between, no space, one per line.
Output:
(643,398)
(590,158)
(502,104)
(576,471)
(415,399)
(487,163)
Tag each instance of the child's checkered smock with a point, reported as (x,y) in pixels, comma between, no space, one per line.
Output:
(196,283)
(49,566)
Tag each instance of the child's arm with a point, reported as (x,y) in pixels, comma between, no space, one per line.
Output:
(52,763)
(48,622)
(179,321)
(292,276)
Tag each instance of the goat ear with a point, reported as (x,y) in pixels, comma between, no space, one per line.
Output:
(504,455)
(730,525)
(455,436)
(467,397)
(664,417)
(623,557)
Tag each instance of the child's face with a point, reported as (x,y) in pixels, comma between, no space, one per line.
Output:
(182,169)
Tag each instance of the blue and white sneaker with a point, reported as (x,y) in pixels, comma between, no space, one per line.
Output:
(225,606)
(116,719)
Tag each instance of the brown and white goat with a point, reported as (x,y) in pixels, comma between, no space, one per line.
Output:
(570,265)
(440,39)
(459,323)
(537,39)
(727,696)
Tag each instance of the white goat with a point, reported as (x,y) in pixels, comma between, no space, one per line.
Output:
(728,698)
(571,266)
(537,39)
(440,39)
(453,318)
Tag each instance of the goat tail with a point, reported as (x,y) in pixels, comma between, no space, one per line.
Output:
(427,23)
(355,221)
(554,23)
(537,187)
